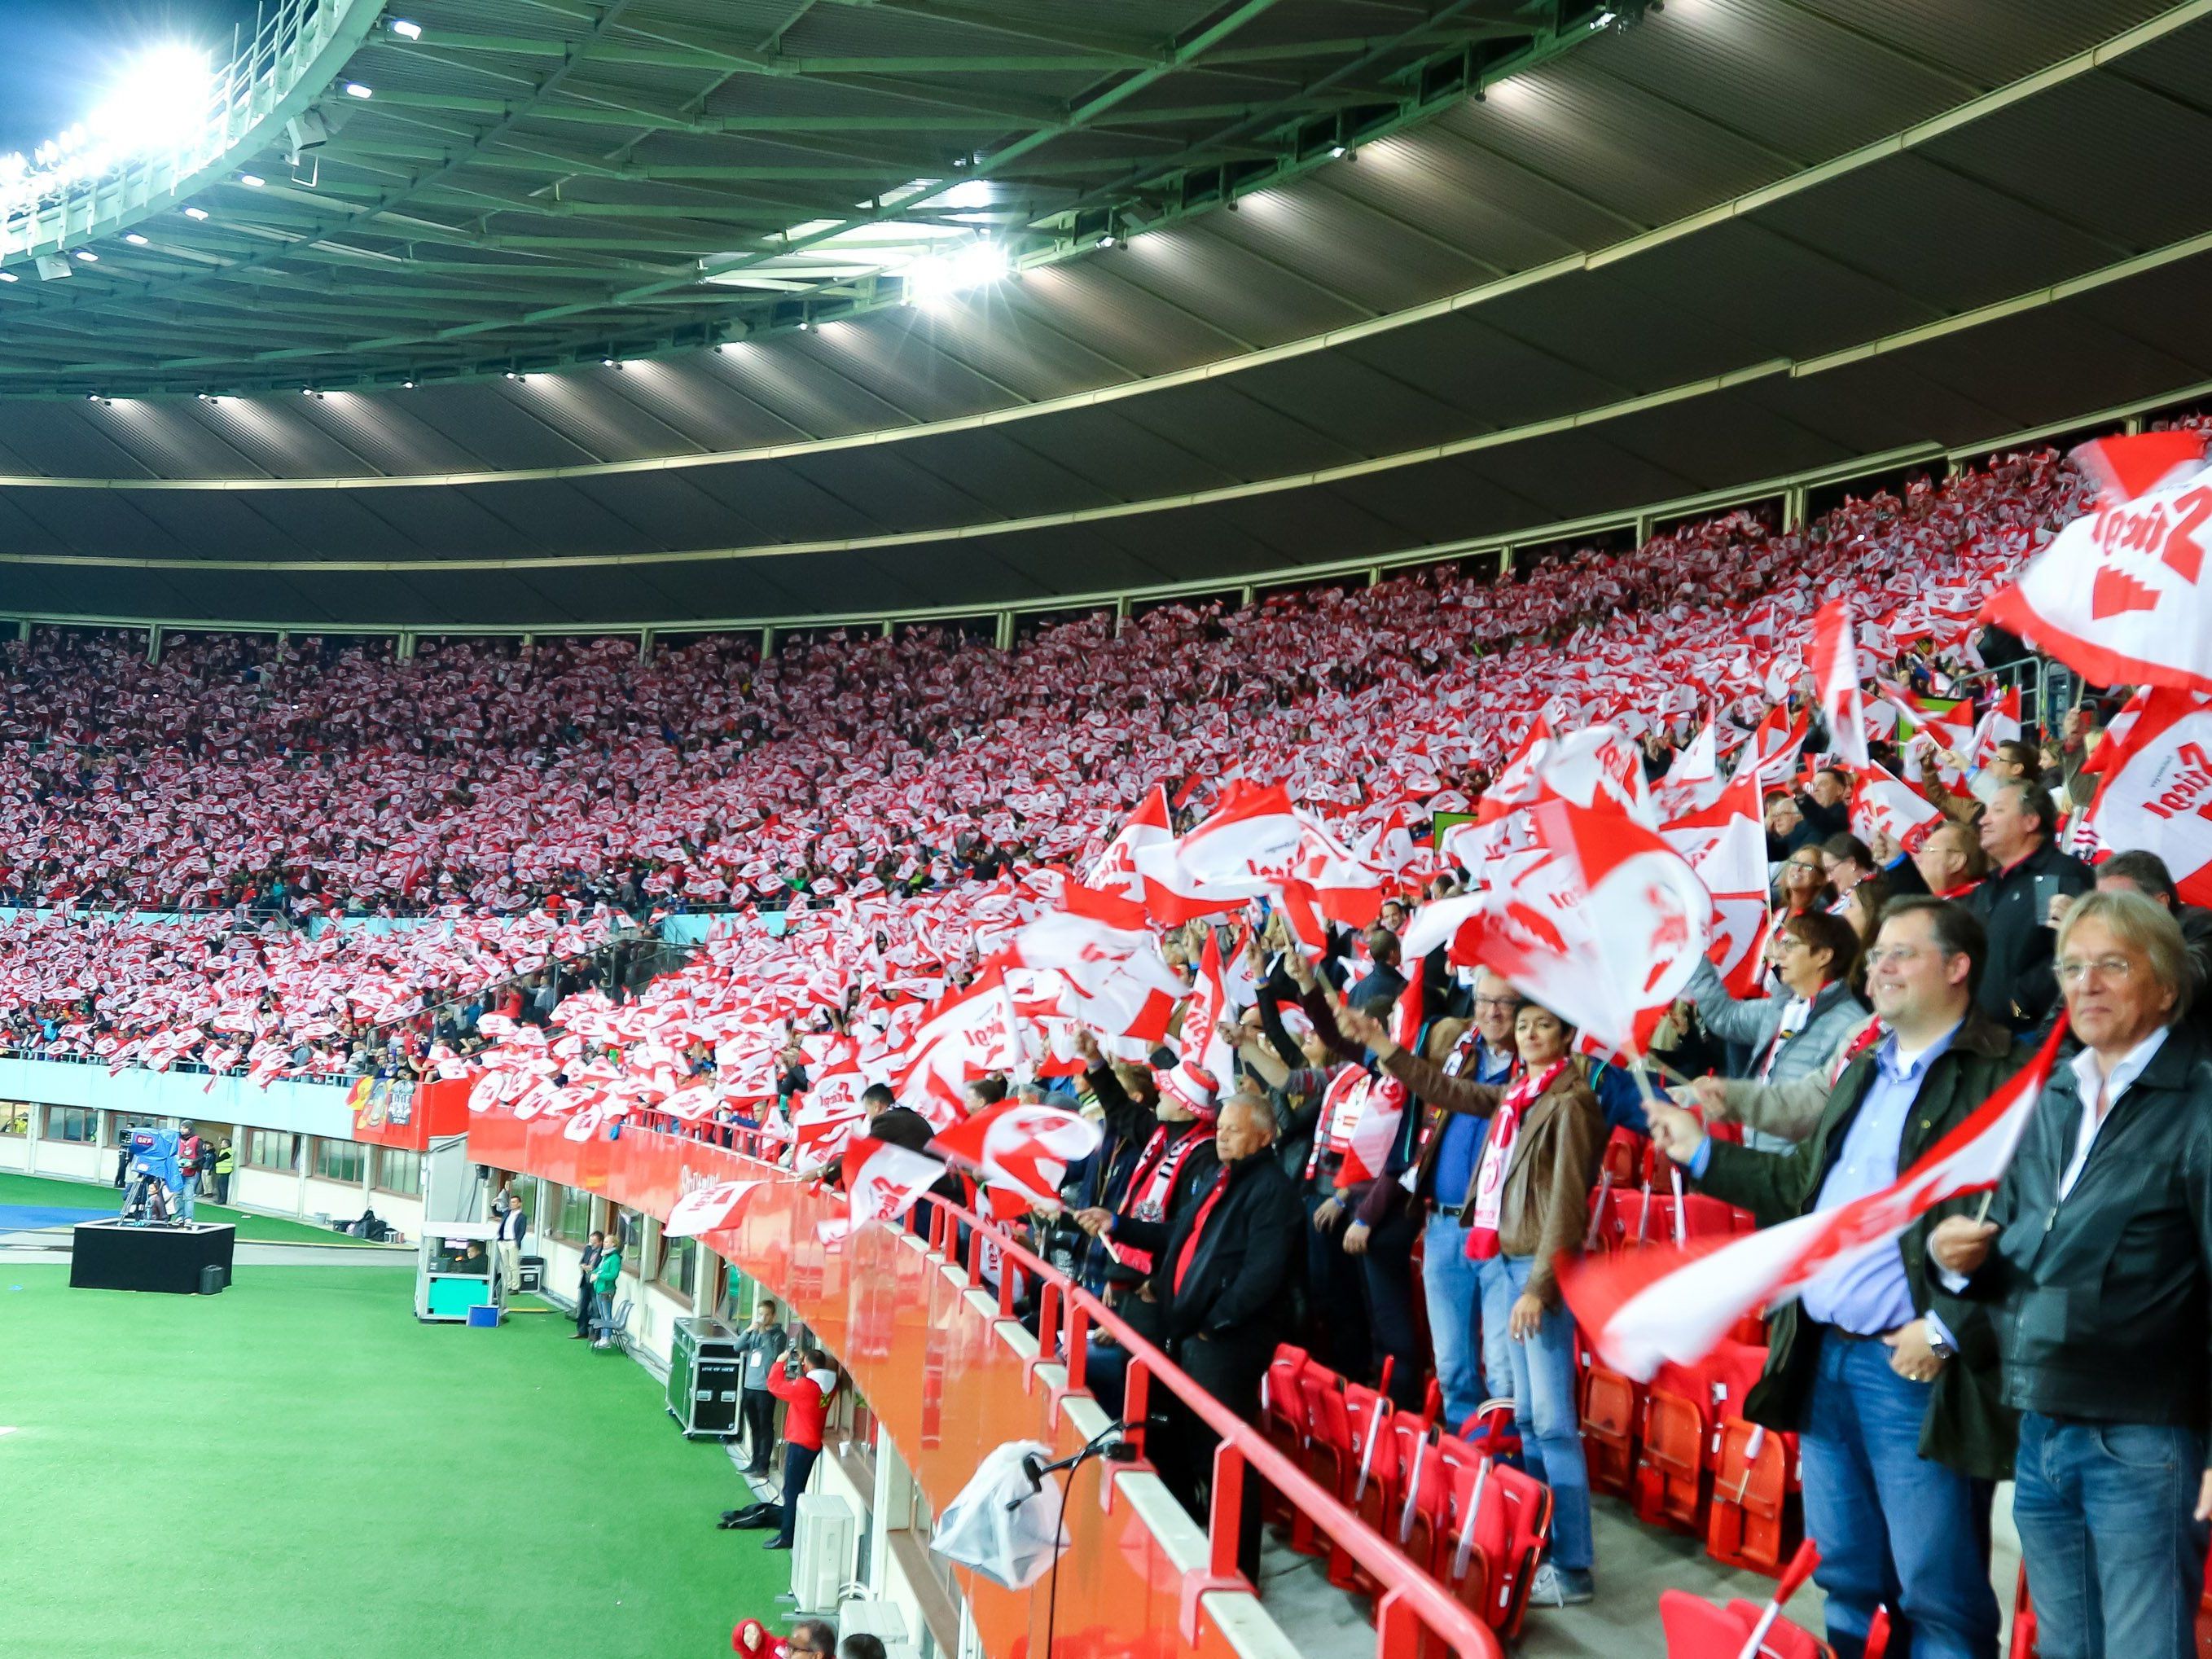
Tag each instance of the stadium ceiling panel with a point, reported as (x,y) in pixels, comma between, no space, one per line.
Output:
(1665,251)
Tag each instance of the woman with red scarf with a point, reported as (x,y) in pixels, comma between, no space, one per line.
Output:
(1527,1204)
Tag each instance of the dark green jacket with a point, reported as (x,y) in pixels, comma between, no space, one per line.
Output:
(1967,1427)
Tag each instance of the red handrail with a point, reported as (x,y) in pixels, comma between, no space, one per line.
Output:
(1413,1605)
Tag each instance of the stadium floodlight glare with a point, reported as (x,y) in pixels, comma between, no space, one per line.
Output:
(196,212)
(405,29)
(134,238)
(87,256)
(251,180)
(936,276)
(355,89)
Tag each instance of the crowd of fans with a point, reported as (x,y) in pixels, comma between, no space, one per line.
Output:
(911,801)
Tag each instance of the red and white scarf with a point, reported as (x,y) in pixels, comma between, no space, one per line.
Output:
(1496,1152)
(1153,1180)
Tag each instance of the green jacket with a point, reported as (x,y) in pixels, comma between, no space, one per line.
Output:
(1967,1426)
(605,1271)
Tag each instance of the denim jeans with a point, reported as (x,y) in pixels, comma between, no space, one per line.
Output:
(1550,1425)
(2115,1559)
(182,1198)
(1468,1304)
(1892,1527)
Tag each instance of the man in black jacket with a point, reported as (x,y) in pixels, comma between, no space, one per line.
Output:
(1222,1280)
(2146,873)
(2027,872)
(2097,1257)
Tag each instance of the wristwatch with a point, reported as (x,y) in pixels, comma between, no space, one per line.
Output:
(1939,1344)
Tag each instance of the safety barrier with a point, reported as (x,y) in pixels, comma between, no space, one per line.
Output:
(920,1322)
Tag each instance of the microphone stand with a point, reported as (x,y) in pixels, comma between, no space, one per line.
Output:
(1107,1443)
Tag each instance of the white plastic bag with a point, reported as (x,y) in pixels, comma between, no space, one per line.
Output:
(1014,1547)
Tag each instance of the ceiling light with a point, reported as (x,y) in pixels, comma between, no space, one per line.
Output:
(805,325)
(938,275)
(1338,152)
(406,30)
(512,375)
(205,398)
(7,275)
(251,180)
(609,362)
(306,391)
(1604,18)
(408,385)
(1108,240)
(135,238)
(91,396)
(87,256)
(196,212)
(355,89)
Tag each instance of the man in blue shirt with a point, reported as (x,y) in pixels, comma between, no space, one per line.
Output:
(1877,1367)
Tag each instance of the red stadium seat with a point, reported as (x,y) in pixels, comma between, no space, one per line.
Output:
(1612,1422)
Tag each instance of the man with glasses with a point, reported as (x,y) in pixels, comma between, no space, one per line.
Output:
(1877,1367)
(2097,1256)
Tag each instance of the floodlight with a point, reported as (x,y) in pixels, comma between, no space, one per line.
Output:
(938,275)
(251,180)
(406,30)
(355,89)
(196,212)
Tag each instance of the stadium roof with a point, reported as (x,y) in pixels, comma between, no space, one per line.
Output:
(1739,239)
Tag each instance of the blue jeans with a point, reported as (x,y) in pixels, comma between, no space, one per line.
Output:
(1468,1302)
(1551,1425)
(2115,1557)
(1892,1527)
(182,1198)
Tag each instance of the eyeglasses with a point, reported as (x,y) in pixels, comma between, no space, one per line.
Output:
(1788,942)
(2074,970)
(1497,1002)
(1896,953)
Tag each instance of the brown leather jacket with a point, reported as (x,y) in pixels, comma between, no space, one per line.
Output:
(1545,1211)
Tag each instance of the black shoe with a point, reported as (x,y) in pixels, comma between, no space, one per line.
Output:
(777,1544)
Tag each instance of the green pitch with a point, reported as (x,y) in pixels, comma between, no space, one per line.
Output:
(296,1469)
(92,1195)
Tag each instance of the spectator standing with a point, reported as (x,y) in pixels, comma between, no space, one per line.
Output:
(594,1247)
(2015,903)
(2097,1255)
(1529,1206)
(1222,1280)
(513,1228)
(2146,873)
(226,1165)
(1877,1368)
(606,1274)
(758,1348)
(811,1638)
(1797,1033)
(804,1382)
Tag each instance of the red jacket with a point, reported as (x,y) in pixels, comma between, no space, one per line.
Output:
(807,1404)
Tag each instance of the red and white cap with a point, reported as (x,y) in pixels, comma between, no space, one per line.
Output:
(1192,1085)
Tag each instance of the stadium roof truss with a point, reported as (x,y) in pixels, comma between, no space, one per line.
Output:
(1715,247)
(515,184)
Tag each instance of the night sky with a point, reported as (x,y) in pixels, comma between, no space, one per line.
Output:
(56,56)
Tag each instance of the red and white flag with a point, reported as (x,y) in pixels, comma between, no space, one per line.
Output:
(1115,869)
(1884,803)
(1022,1148)
(2000,724)
(1202,1042)
(1643,1308)
(1835,668)
(710,1209)
(1605,930)
(882,1181)
(1368,1125)
(2156,794)
(2118,594)
(1726,845)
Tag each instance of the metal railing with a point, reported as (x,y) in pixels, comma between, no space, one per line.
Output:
(269,78)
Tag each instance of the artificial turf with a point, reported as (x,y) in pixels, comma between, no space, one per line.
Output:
(297,1468)
(94,1195)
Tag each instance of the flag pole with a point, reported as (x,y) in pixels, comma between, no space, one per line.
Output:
(1673,1170)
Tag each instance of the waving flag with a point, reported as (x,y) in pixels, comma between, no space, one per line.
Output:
(1115,869)
(882,1181)
(1884,803)
(2118,594)
(1023,1148)
(2156,792)
(1202,1042)
(1605,930)
(1368,1126)
(1646,1308)
(1835,668)
(1726,846)
(709,1209)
